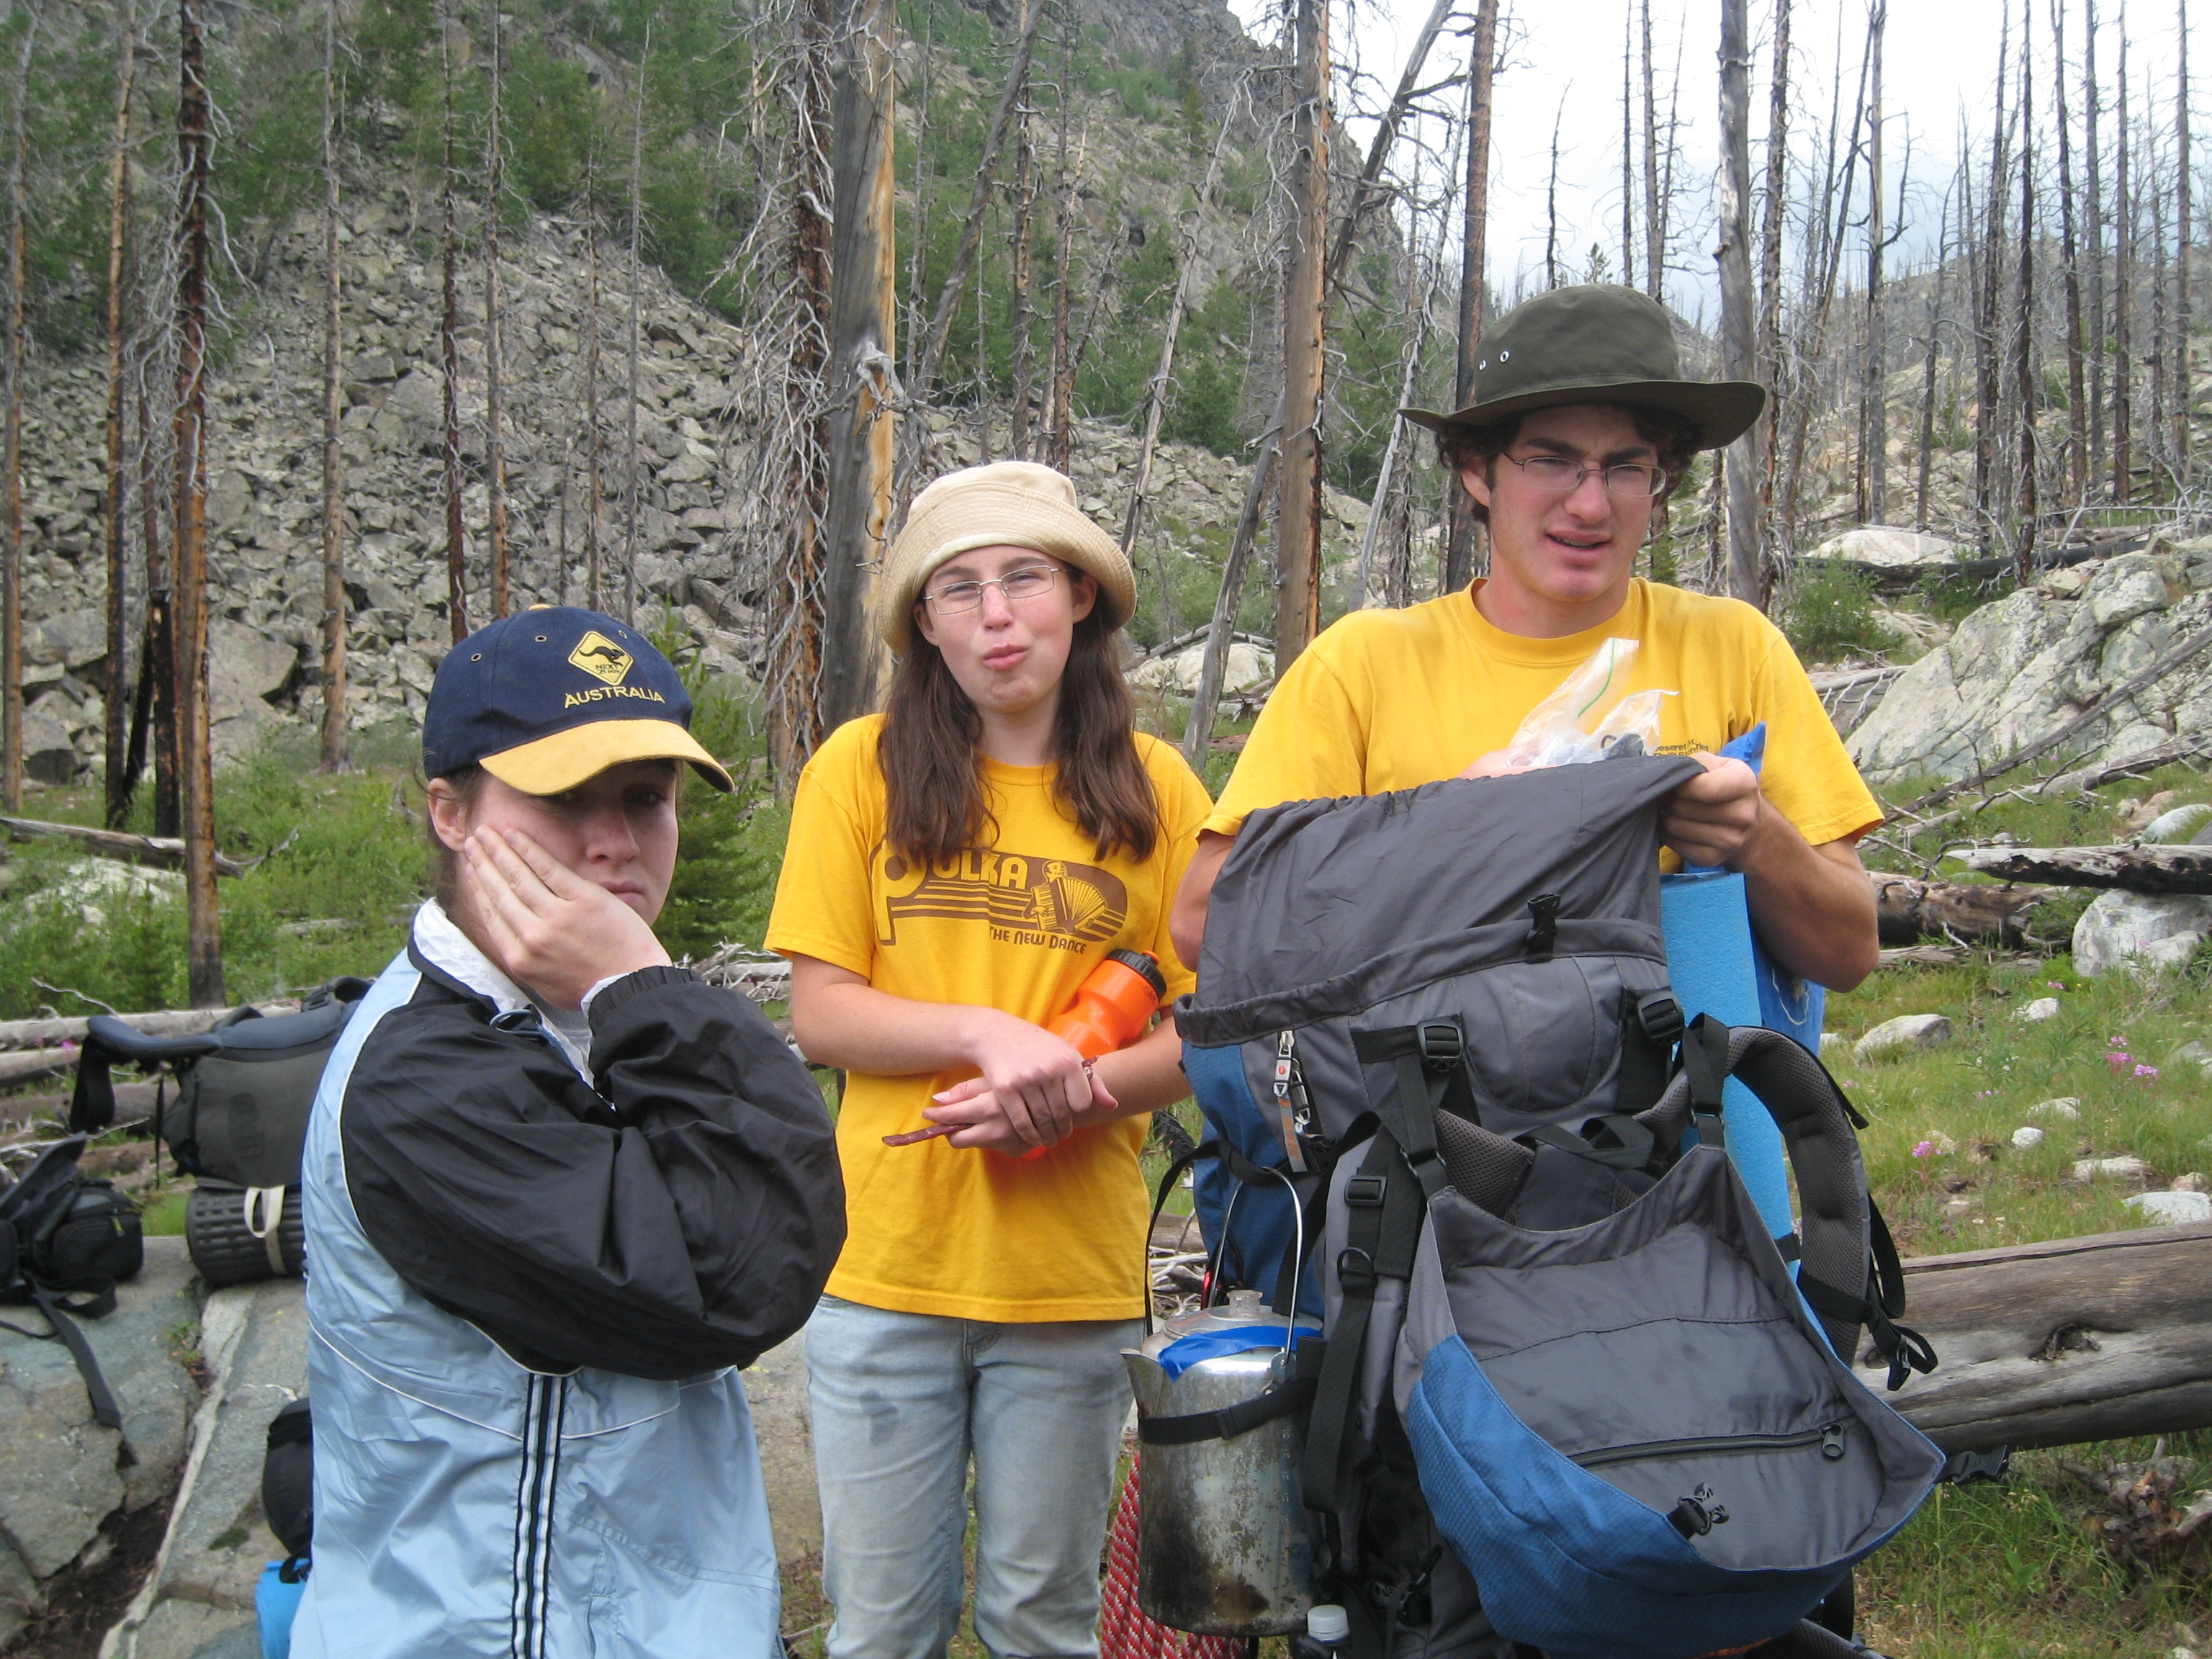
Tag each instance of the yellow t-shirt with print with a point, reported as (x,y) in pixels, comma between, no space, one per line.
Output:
(1017,925)
(1387,700)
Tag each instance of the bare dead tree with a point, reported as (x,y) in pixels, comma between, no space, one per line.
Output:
(11,553)
(1654,219)
(1927,374)
(334,593)
(1060,420)
(494,414)
(1025,307)
(2077,415)
(204,924)
(594,438)
(2123,259)
(1874,399)
(1746,572)
(1774,208)
(1297,504)
(1552,197)
(1481,74)
(862,342)
(2091,161)
(2156,439)
(2024,330)
(631,487)
(449,353)
(1627,150)
(1155,391)
(1988,413)
(115,696)
(2179,409)
(795,645)
(971,227)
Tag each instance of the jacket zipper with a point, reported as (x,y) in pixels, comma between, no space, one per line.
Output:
(1829,1438)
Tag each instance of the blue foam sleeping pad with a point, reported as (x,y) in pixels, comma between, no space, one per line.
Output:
(1718,968)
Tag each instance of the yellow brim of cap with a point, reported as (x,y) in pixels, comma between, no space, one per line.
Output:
(567,758)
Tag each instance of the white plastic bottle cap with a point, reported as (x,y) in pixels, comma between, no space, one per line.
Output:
(1328,1623)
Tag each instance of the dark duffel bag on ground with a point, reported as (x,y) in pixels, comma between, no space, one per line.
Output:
(65,1242)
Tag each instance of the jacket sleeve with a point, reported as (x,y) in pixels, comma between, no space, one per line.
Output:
(682,1218)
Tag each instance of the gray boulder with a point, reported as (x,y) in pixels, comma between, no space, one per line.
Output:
(2134,932)
(2016,671)
(1905,1033)
(1885,547)
(61,1473)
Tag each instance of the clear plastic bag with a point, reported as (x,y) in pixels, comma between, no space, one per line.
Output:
(1560,732)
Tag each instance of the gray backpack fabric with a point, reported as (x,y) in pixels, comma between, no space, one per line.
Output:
(1548,1305)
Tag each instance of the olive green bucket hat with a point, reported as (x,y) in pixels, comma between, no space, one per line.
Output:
(1596,344)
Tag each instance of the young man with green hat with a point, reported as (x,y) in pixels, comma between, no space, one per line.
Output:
(1581,425)
(558,1191)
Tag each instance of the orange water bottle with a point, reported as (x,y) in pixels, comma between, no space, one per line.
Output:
(1113,1006)
(1112,1009)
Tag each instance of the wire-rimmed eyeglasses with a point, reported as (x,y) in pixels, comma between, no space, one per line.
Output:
(1556,474)
(1030,581)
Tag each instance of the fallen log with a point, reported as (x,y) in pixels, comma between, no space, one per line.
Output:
(164,1022)
(1956,956)
(2127,766)
(2053,1344)
(164,852)
(23,1066)
(2130,868)
(1906,909)
(132,1100)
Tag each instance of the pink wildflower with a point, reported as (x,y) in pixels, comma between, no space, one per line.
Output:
(2146,1071)
(1925,1149)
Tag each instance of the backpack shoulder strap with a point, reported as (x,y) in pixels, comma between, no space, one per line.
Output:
(1848,1272)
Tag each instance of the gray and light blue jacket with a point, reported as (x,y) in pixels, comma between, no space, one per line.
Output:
(535,1270)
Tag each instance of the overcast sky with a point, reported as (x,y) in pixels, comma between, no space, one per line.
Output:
(1940,65)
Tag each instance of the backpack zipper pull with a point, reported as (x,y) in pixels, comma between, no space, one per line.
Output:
(1832,1441)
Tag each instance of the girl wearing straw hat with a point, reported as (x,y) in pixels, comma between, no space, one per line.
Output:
(956,866)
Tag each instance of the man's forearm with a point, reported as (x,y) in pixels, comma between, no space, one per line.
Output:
(1812,907)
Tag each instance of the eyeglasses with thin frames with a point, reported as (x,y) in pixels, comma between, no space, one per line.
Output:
(1558,475)
(1030,581)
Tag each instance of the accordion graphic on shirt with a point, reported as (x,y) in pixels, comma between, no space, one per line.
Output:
(1057,903)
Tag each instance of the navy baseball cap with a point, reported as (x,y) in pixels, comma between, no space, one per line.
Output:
(548,697)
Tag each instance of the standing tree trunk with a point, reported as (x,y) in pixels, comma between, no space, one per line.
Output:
(1156,393)
(794,670)
(1874,411)
(1988,359)
(2095,321)
(594,440)
(2178,408)
(203,925)
(157,676)
(2023,364)
(971,227)
(1059,415)
(449,353)
(1655,220)
(116,710)
(1025,310)
(11,554)
(1481,68)
(2156,433)
(1298,505)
(2124,252)
(863,339)
(629,442)
(1928,378)
(495,421)
(1628,150)
(334,593)
(1773,212)
(1747,574)
(2077,417)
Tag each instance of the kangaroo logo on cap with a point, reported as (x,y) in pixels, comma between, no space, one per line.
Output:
(601,657)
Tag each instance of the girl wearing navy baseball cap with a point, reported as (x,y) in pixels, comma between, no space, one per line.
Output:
(557,1192)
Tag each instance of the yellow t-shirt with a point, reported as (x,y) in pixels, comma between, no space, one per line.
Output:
(1389,700)
(1015,925)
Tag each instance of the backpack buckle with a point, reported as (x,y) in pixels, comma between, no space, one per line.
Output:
(1355,1271)
(1365,1192)
(1660,1014)
(1442,1043)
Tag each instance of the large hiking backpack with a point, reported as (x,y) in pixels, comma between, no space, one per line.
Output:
(1570,1399)
(238,1123)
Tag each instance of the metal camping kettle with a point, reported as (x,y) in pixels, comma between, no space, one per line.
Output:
(1223,1548)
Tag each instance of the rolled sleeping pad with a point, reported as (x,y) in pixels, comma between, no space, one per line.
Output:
(235,1235)
(276,1604)
(1717,967)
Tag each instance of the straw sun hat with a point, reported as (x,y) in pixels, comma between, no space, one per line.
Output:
(1005,504)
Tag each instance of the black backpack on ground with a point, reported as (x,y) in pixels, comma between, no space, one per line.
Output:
(65,1242)
(238,1122)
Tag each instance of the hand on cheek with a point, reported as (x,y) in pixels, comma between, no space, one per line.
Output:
(549,928)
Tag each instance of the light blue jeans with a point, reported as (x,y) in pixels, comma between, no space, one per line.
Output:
(901,1401)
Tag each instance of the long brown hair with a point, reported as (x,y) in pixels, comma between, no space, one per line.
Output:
(934,768)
